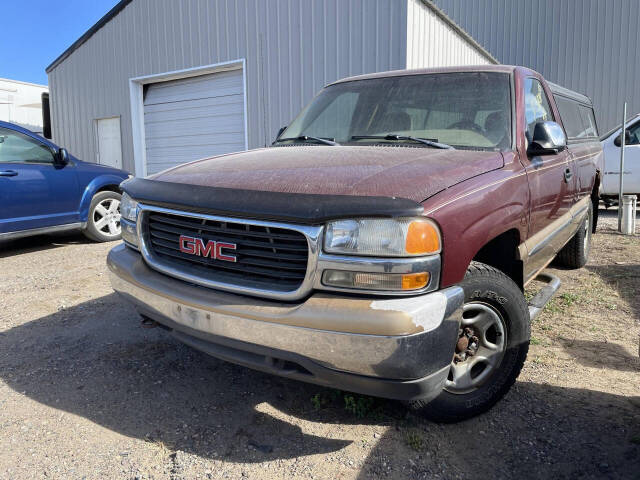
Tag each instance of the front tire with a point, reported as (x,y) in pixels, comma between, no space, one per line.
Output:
(575,254)
(103,222)
(492,347)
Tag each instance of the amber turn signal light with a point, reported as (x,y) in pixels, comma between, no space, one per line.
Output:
(422,238)
(415,281)
(375,281)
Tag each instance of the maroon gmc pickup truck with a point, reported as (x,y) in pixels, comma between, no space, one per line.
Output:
(382,244)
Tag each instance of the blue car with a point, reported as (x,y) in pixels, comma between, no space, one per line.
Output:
(43,189)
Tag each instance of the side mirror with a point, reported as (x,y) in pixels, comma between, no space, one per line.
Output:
(282,129)
(548,138)
(62,157)
(627,139)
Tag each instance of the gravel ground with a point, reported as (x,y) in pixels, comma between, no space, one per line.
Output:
(87,392)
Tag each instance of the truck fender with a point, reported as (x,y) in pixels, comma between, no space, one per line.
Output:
(478,232)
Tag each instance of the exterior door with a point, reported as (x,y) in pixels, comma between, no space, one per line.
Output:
(34,193)
(551,183)
(109,142)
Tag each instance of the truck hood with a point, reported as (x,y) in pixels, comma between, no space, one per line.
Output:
(415,173)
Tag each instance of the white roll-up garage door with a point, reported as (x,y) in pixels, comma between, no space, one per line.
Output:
(193,118)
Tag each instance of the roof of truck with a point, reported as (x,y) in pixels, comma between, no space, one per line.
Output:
(565,92)
(423,71)
(556,89)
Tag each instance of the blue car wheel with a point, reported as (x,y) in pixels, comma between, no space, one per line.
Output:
(103,222)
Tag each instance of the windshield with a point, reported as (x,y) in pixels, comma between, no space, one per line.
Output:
(465,110)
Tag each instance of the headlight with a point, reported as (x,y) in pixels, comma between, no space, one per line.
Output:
(383,237)
(128,208)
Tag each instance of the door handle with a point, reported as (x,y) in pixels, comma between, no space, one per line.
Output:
(8,173)
(567,175)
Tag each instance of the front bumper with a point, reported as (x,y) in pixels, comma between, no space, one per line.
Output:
(398,348)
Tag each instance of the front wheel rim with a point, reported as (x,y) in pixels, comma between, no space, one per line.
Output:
(106,217)
(481,345)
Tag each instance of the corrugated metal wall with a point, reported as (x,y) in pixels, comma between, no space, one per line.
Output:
(292,48)
(434,43)
(575,43)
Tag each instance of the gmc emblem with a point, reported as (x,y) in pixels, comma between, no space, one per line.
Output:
(212,249)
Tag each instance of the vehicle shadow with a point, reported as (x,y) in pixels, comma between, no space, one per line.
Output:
(9,248)
(601,355)
(625,279)
(95,360)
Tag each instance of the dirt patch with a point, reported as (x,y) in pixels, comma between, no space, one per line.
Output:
(87,392)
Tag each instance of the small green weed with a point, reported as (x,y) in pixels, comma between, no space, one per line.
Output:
(569,298)
(316,401)
(325,398)
(414,440)
(359,406)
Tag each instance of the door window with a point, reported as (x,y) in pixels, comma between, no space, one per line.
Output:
(20,148)
(536,105)
(634,131)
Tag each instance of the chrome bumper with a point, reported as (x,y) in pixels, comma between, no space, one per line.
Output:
(399,338)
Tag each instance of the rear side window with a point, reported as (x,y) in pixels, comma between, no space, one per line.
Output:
(588,120)
(578,119)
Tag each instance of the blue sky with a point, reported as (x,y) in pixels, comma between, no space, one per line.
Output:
(34,32)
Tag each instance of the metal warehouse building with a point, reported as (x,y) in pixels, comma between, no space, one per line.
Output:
(590,46)
(156,83)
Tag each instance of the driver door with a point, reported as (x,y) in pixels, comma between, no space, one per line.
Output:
(34,191)
(551,184)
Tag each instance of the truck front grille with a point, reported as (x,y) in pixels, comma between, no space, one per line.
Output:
(267,258)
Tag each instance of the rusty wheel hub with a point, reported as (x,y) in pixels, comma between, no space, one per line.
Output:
(467,345)
(479,349)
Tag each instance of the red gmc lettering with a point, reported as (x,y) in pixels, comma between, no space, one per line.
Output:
(212,249)
(187,245)
(222,256)
(208,250)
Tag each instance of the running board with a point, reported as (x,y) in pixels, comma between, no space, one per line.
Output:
(537,303)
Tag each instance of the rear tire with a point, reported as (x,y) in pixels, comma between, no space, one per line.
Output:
(103,222)
(497,312)
(575,254)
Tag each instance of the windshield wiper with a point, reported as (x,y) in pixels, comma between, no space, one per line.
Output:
(393,136)
(306,138)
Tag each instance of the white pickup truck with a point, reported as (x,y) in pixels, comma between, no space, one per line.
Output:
(611,171)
